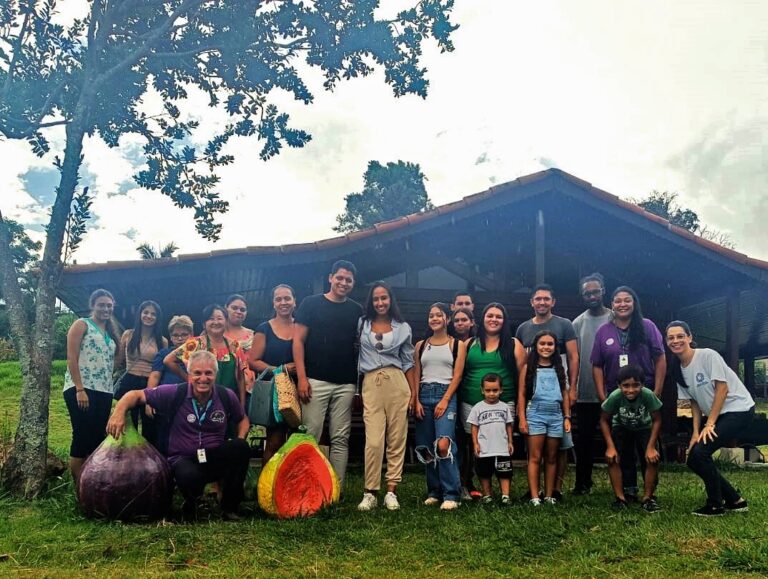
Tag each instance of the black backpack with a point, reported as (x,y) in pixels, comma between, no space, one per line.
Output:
(164,420)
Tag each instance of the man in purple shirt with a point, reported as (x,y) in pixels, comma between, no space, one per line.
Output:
(198,449)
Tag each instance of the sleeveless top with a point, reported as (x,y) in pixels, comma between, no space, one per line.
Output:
(479,364)
(96,360)
(276,350)
(139,362)
(437,364)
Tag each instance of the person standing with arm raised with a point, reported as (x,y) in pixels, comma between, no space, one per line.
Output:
(326,361)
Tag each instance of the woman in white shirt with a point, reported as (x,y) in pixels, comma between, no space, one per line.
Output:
(717,394)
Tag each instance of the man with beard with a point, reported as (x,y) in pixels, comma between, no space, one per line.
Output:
(592,289)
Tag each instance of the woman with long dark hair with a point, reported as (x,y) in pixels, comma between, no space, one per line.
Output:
(544,411)
(462,325)
(628,338)
(719,400)
(494,350)
(273,347)
(386,362)
(438,367)
(228,352)
(138,347)
(88,390)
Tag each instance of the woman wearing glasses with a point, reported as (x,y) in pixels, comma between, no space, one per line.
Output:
(386,362)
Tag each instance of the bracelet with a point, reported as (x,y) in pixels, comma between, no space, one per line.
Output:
(567,417)
(77,391)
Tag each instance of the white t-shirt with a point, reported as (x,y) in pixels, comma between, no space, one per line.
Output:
(491,421)
(707,366)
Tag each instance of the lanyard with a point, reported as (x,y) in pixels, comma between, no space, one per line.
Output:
(200,418)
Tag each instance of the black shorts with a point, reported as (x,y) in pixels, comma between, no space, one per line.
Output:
(487,466)
(88,427)
(631,444)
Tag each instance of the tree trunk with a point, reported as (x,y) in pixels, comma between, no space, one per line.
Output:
(24,470)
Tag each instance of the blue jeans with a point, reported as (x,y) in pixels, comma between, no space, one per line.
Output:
(442,471)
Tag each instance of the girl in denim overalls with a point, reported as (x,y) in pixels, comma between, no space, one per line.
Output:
(544,411)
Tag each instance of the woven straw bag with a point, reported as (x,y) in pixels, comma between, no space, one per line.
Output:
(287,398)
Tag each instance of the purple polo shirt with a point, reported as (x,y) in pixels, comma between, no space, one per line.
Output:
(607,349)
(186,433)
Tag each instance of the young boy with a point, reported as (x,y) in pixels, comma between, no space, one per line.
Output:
(491,422)
(631,422)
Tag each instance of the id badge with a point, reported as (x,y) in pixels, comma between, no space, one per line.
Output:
(201,456)
(623,360)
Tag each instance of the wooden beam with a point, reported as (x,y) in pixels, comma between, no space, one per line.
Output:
(749,374)
(732,318)
(466,272)
(540,273)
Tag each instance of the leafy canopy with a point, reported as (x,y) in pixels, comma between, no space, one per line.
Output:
(94,74)
(389,192)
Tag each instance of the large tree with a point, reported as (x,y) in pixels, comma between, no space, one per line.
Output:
(389,191)
(92,77)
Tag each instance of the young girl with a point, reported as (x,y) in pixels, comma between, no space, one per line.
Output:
(544,410)
(491,421)
(716,393)
(438,366)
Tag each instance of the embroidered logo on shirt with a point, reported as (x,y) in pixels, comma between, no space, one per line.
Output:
(218,416)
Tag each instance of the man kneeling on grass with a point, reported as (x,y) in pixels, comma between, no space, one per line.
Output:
(631,421)
(200,416)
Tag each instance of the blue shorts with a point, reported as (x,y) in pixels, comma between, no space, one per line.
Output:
(545,418)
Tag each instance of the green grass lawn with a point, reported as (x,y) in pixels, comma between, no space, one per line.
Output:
(580,538)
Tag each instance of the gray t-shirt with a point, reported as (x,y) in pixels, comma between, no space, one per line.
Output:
(700,375)
(561,327)
(491,421)
(586,326)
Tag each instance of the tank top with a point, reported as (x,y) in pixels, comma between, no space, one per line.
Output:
(479,364)
(139,363)
(437,364)
(96,360)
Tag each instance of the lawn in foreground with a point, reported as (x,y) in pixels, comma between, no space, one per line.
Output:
(582,537)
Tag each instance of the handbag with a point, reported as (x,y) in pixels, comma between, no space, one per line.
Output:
(260,405)
(287,398)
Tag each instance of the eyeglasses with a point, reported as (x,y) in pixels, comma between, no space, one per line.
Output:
(590,293)
(378,345)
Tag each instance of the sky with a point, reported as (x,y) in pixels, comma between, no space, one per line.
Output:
(631,96)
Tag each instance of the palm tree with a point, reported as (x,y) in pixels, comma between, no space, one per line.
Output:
(146,251)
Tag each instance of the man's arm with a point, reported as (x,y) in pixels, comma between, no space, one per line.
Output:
(300,332)
(242,427)
(599,378)
(572,356)
(116,424)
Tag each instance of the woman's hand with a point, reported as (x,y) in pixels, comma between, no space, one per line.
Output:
(567,424)
(523,425)
(708,433)
(441,408)
(611,456)
(290,368)
(418,410)
(82,400)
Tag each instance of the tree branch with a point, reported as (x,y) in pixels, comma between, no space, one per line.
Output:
(9,282)
(16,47)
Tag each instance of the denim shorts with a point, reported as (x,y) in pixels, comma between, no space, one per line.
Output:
(545,418)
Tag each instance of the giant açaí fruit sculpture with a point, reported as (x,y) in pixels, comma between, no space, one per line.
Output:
(298,480)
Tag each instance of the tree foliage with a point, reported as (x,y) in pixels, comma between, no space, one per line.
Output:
(94,76)
(389,192)
(664,204)
(146,251)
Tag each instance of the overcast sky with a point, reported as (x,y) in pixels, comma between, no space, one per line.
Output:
(628,95)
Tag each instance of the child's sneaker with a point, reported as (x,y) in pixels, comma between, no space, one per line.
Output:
(449,506)
(465,496)
(650,506)
(505,500)
(619,505)
(391,502)
(432,501)
(550,501)
(487,500)
(737,507)
(368,503)
(535,502)
(709,511)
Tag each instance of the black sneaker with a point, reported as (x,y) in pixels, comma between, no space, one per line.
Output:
(630,498)
(709,511)
(619,505)
(650,506)
(581,490)
(737,507)
(558,496)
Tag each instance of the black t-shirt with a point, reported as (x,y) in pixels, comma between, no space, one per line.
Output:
(329,350)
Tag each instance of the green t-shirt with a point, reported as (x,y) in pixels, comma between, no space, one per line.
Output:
(479,364)
(635,414)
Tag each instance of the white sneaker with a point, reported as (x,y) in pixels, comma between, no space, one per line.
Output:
(449,506)
(390,501)
(368,503)
(535,502)
(432,501)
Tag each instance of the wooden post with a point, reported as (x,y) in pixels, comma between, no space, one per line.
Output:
(749,374)
(732,337)
(540,273)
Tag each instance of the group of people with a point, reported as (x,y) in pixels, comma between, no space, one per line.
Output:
(466,385)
